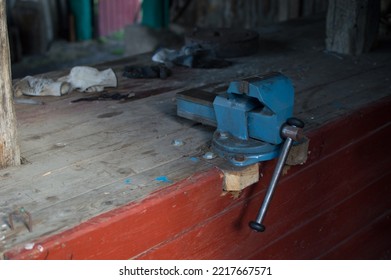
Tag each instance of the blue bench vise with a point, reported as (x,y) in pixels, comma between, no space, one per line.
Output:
(254,123)
(249,116)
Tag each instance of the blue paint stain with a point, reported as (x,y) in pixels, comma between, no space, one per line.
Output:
(128,181)
(194,159)
(163,179)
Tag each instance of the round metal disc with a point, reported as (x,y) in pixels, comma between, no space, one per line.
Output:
(243,152)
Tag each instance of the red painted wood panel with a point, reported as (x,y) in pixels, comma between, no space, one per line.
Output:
(132,229)
(315,237)
(299,199)
(374,239)
(192,219)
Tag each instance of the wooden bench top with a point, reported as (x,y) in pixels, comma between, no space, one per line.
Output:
(86,158)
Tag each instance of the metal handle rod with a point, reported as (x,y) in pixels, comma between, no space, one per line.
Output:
(291,132)
(257,224)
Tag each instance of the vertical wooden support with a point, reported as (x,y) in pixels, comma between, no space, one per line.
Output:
(9,149)
(352,25)
(288,9)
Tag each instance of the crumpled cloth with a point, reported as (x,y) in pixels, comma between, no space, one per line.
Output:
(81,78)
(192,56)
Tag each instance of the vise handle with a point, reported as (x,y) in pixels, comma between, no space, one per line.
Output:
(291,131)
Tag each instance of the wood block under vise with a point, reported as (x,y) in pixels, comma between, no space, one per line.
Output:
(239,178)
(298,153)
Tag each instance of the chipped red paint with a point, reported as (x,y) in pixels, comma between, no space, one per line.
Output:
(325,209)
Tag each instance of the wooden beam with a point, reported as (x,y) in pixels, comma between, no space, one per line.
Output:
(352,25)
(9,149)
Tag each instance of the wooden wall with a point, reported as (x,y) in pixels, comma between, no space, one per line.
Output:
(248,13)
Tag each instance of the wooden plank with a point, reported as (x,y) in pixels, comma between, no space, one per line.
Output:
(200,209)
(306,240)
(339,223)
(360,122)
(91,158)
(299,199)
(377,234)
(102,199)
(71,175)
(318,106)
(297,203)
(9,147)
(129,223)
(96,131)
(288,9)
(352,25)
(107,179)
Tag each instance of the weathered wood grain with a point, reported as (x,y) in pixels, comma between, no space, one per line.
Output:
(90,158)
(236,179)
(197,216)
(352,25)
(9,146)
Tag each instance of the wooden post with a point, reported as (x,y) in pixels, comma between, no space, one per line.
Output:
(9,149)
(352,25)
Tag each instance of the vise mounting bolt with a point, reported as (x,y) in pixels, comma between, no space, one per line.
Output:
(254,123)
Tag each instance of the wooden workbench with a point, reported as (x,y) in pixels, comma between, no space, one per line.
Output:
(102,179)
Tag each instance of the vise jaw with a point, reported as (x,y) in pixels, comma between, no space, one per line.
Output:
(249,116)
